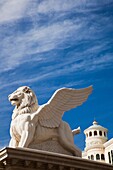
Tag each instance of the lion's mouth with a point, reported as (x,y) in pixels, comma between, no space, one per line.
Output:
(14,99)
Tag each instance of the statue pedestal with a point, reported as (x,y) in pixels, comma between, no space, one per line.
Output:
(30,159)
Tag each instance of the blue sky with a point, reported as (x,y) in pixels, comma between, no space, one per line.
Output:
(48,44)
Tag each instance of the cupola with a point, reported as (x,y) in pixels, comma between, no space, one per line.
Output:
(96,136)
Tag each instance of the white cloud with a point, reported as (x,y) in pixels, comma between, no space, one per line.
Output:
(16,47)
(104,60)
(13,9)
(57,6)
(51,36)
(48,6)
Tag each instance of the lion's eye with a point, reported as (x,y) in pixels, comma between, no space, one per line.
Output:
(27,91)
(19,94)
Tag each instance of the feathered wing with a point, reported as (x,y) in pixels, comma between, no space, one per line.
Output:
(63,99)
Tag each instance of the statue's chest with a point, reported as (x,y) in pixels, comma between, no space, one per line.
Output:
(17,124)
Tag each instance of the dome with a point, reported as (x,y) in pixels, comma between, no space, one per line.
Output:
(95,126)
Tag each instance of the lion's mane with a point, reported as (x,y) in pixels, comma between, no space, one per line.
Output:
(28,104)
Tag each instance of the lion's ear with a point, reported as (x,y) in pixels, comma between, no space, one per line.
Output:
(26,89)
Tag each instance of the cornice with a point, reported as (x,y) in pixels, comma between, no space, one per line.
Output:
(21,159)
(108,143)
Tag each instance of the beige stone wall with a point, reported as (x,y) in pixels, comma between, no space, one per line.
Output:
(109,151)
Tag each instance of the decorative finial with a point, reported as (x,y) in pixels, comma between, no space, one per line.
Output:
(95,122)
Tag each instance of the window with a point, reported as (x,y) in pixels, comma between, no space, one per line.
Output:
(97,157)
(86,135)
(109,156)
(92,157)
(95,133)
(102,157)
(104,133)
(112,156)
(100,133)
(88,157)
(90,133)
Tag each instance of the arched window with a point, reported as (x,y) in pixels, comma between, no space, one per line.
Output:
(109,156)
(86,135)
(92,157)
(90,133)
(100,133)
(95,133)
(104,133)
(102,157)
(97,157)
(88,157)
(112,156)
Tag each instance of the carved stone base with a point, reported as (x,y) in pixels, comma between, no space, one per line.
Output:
(30,159)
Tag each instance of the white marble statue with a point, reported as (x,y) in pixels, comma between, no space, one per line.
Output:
(41,127)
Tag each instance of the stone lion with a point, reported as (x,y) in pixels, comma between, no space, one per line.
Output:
(41,127)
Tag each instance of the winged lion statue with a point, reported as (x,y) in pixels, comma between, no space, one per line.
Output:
(41,127)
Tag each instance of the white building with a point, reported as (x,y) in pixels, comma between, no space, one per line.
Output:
(98,147)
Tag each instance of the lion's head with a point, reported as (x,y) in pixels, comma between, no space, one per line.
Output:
(24,99)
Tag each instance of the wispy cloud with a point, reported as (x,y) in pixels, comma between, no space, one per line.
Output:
(13,10)
(41,42)
(57,6)
(17,48)
(69,5)
(50,44)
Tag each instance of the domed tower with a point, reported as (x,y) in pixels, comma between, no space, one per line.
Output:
(96,136)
